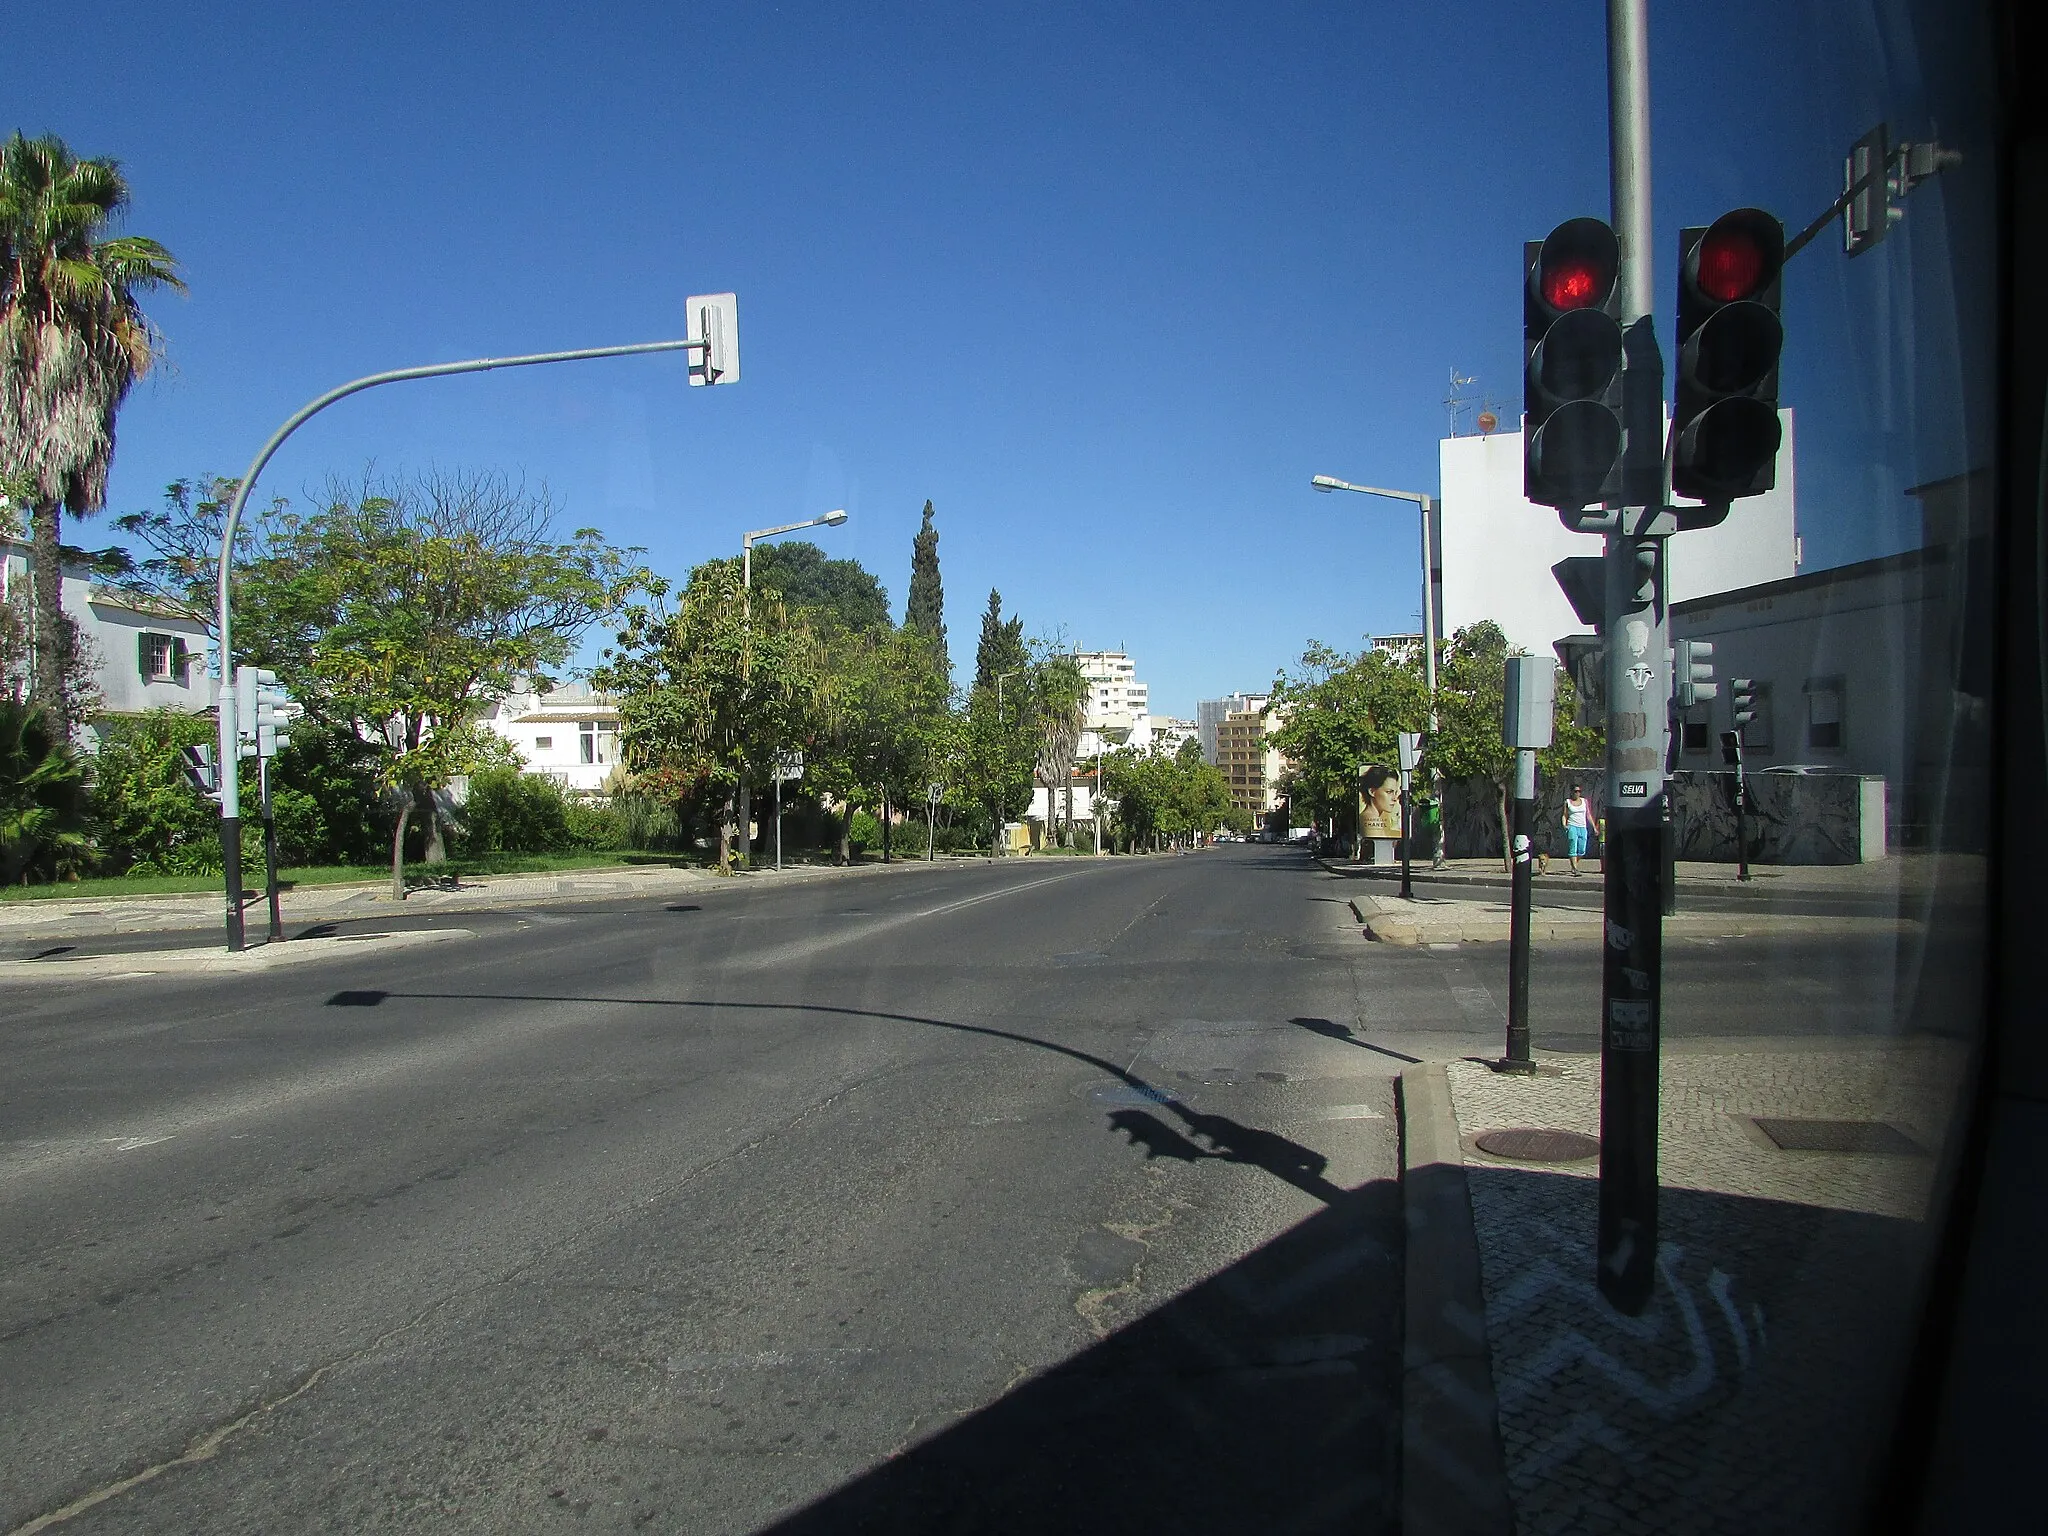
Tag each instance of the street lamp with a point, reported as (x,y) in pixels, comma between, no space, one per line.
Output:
(1426,504)
(831,519)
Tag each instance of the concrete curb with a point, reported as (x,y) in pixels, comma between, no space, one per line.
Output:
(1454,1479)
(200,962)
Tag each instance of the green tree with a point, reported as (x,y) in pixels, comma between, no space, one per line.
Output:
(1340,713)
(44,798)
(1058,697)
(1001,649)
(894,697)
(926,609)
(182,538)
(807,579)
(73,341)
(711,692)
(404,609)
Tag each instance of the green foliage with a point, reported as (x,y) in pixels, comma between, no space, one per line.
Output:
(644,823)
(926,609)
(1340,713)
(1175,796)
(806,579)
(865,830)
(512,812)
(45,805)
(711,692)
(148,818)
(1001,649)
(327,799)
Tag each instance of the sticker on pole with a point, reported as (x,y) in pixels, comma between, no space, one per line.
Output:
(1628,1026)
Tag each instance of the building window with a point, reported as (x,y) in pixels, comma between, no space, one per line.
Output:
(586,731)
(1824,725)
(1693,736)
(160,657)
(543,743)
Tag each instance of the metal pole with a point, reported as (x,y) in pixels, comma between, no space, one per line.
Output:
(1741,819)
(269,849)
(778,817)
(1428,610)
(230,745)
(1407,835)
(1524,826)
(1638,715)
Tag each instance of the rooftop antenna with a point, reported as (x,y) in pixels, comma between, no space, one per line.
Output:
(1457,402)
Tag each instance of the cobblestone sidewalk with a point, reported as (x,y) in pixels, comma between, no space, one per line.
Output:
(1433,920)
(1753,1391)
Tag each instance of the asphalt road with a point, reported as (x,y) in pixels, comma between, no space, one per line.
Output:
(1040,1196)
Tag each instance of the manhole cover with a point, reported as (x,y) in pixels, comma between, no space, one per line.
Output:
(1527,1144)
(1872,1137)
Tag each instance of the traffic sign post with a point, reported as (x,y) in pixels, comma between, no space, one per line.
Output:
(933,796)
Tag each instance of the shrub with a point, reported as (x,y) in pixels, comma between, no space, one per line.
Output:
(148,819)
(45,805)
(596,826)
(647,823)
(324,793)
(512,812)
(865,832)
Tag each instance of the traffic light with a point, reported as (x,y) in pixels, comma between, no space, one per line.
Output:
(714,319)
(201,771)
(1724,425)
(1742,700)
(1571,353)
(260,721)
(1731,749)
(1692,672)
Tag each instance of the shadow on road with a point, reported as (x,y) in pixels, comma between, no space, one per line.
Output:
(1263,1399)
(1331,1029)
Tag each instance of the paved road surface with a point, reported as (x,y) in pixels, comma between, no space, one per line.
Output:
(687,1217)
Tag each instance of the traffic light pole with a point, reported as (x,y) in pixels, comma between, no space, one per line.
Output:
(269,849)
(230,736)
(1638,714)
(1520,897)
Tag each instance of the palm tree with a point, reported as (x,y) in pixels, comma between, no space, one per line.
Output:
(73,341)
(44,804)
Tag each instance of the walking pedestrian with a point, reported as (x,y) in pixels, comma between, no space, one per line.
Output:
(1578,826)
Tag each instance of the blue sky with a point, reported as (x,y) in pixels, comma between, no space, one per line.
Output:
(1107,283)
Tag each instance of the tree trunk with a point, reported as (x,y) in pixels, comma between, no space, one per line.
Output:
(46,623)
(398,848)
(436,851)
(885,826)
(1507,836)
(725,838)
(844,853)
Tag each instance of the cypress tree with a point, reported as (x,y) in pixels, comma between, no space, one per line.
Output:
(1002,644)
(926,610)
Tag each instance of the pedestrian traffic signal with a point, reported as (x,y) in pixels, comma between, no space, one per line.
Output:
(1724,424)
(1742,700)
(1731,749)
(1571,353)
(1692,672)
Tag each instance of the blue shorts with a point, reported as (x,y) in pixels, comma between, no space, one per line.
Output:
(1575,842)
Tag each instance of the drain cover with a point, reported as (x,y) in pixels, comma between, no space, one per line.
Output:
(1873,1137)
(1527,1144)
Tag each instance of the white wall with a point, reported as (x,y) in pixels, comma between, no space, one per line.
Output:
(1498,548)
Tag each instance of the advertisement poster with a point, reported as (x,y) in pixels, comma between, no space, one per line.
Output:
(1381,812)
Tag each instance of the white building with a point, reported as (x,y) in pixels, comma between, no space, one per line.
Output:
(570,734)
(1115,711)
(1497,548)
(147,655)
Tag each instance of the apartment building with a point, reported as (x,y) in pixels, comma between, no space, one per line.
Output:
(1250,763)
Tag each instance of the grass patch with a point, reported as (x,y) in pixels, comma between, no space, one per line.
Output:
(116,886)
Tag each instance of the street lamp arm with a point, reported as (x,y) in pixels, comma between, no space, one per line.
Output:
(1332,483)
(813,522)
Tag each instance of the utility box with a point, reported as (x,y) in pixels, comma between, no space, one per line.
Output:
(1531,702)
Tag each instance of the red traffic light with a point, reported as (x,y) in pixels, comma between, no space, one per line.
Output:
(1577,266)
(1738,256)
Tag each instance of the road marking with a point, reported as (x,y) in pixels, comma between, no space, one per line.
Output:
(854,933)
(1349,1112)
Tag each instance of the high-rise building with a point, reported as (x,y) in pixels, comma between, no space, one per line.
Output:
(1114,714)
(1210,713)
(1250,763)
